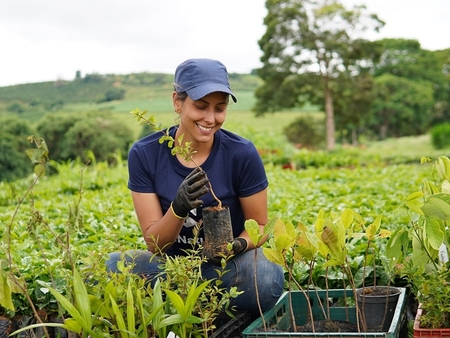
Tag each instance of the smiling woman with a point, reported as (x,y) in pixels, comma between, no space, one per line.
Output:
(172,200)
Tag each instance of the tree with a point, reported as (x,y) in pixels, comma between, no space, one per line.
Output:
(410,81)
(69,136)
(352,105)
(307,45)
(14,162)
(405,58)
(402,106)
(15,107)
(111,95)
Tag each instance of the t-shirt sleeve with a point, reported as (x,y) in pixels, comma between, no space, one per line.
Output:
(140,177)
(253,178)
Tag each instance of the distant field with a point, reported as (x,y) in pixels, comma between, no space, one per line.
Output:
(264,130)
(240,118)
(162,103)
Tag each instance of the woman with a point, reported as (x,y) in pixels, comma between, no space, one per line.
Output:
(169,192)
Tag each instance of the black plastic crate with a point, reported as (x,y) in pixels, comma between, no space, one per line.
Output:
(228,327)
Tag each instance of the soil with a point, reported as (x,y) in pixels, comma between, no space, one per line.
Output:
(218,230)
(325,325)
(215,208)
(328,325)
(374,291)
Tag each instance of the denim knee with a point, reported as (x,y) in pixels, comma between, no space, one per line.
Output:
(269,280)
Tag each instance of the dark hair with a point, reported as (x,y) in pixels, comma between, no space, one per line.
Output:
(181,96)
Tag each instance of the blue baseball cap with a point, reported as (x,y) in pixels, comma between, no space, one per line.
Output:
(200,77)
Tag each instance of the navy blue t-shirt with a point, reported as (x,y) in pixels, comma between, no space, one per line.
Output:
(234,169)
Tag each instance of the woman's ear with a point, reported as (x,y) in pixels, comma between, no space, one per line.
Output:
(176,103)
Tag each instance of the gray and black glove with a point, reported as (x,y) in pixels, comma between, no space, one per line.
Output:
(193,186)
(239,245)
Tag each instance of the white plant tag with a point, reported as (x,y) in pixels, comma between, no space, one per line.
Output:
(172,335)
(443,253)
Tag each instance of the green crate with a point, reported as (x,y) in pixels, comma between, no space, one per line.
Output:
(278,318)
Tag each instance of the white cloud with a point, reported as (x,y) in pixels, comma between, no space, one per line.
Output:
(42,40)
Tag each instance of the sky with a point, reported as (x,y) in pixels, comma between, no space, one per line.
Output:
(47,40)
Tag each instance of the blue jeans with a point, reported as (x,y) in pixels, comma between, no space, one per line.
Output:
(269,276)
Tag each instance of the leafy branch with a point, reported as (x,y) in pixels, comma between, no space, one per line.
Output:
(176,145)
(39,157)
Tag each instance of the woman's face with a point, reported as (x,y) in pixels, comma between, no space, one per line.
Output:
(200,119)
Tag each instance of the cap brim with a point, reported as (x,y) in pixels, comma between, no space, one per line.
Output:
(203,90)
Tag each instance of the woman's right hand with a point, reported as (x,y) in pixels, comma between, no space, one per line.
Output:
(193,186)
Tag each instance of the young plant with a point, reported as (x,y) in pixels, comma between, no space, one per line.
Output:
(11,278)
(327,246)
(178,147)
(184,319)
(117,311)
(290,245)
(183,271)
(421,250)
(82,320)
(253,229)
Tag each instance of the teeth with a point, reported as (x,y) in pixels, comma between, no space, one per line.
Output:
(203,128)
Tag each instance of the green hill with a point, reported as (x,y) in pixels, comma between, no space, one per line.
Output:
(110,92)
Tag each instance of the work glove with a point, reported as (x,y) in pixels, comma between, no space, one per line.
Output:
(239,245)
(193,186)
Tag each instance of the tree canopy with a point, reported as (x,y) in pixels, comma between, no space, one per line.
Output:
(307,46)
(313,52)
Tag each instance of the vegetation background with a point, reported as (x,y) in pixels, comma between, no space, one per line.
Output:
(385,120)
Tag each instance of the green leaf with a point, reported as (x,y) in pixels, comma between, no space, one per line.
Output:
(330,239)
(283,242)
(332,262)
(176,301)
(429,188)
(71,309)
(443,167)
(39,169)
(434,232)
(111,290)
(384,233)
(131,320)
(194,294)
(172,320)
(283,235)
(347,218)
(119,319)
(36,155)
(5,291)
(372,229)
(143,333)
(394,247)
(34,326)
(253,230)
(98,306)
(268,228)
(414,202)
(72,325)
(274,256)
(157,302)
(437,206)
(445,187)
(82,298)
(320,222)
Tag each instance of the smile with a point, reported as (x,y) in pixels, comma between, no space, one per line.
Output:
(204,128)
